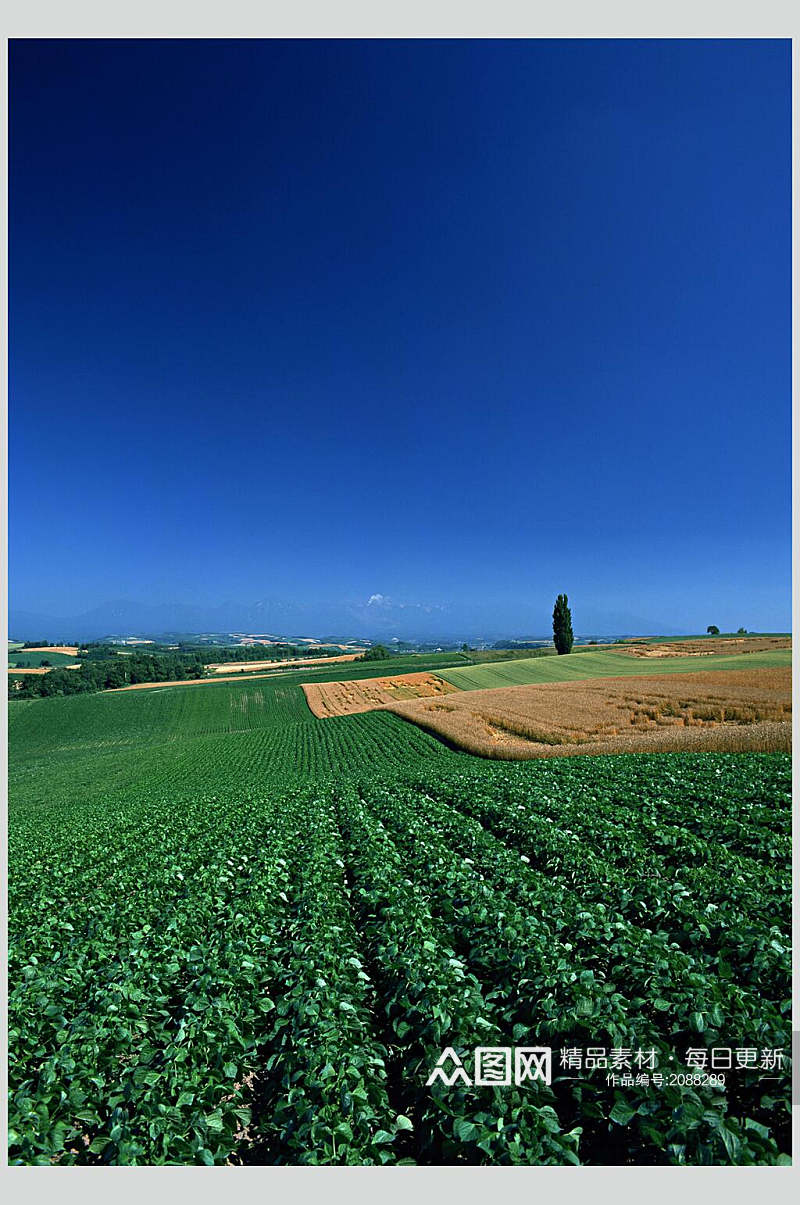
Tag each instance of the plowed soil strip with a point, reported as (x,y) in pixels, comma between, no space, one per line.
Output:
(350,698)
(707,648)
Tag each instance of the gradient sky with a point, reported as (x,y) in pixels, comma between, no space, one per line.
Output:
(459,323)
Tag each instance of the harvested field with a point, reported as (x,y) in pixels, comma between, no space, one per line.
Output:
(706,648)
(69,650)
(241,667)
(367,694)
(738,711)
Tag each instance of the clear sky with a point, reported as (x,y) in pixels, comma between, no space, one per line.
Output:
(460,324)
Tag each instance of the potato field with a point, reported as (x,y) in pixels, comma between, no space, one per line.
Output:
(240,934)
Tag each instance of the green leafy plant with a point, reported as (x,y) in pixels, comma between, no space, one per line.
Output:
(241,934)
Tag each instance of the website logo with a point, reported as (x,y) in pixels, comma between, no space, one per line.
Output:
(494,1067)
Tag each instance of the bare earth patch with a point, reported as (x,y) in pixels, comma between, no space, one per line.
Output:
(734,711)
(705,648)
(349,698)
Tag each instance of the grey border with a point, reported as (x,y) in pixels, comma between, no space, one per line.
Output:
(411,19)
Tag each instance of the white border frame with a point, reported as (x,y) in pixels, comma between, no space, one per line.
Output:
(411,19)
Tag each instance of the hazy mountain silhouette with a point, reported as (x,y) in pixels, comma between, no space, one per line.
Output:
(374,618)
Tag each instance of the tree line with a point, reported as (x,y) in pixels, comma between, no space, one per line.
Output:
(93,675)
(259,652)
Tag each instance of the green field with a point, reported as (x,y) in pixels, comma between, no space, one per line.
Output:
(602,664)
(26,657)
(241,934)
(405,663)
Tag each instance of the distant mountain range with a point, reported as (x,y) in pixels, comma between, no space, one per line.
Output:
(376,618)
(123,617)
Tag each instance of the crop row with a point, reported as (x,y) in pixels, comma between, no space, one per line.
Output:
(250,936)
(431,1002)
(135,1007)
(729,913)
(562,962)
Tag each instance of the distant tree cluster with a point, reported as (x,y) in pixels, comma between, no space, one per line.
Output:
(261,652)
(36,644)
(96,651)
(519,644)
(377,652)
(108,674)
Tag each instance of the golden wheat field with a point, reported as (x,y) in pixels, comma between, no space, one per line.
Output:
(347,698)
(735,711)
(69,649)
(708,646)
(242,667)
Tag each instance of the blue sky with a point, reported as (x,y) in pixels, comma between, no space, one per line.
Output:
(463,324)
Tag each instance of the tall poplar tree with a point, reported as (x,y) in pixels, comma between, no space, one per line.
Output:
(562,625)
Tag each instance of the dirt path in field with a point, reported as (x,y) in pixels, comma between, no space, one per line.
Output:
(39,669)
